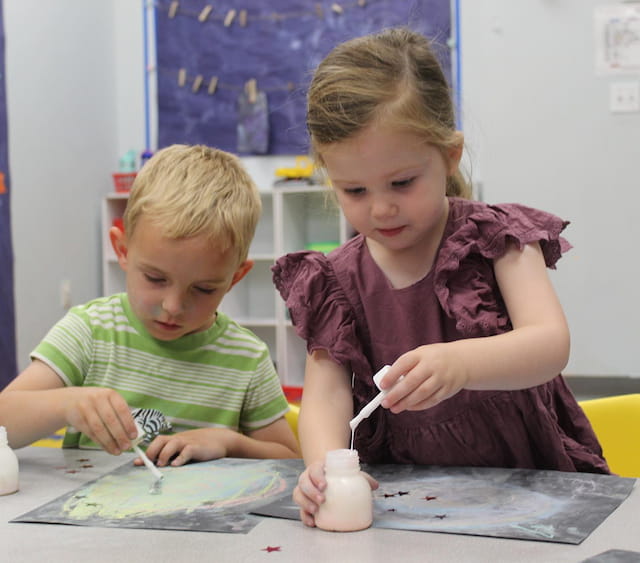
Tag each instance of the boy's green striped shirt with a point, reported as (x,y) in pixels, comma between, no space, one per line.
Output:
(221,377)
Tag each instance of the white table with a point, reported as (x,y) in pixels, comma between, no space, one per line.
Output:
(41,482)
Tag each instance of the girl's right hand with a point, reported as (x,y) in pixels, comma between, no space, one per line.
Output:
(309,493)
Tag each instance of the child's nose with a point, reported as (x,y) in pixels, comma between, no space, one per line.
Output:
(173,303)
(384,206)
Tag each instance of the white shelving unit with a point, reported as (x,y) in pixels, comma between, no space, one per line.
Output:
(293,218)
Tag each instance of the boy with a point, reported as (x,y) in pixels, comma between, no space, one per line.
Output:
(163,345)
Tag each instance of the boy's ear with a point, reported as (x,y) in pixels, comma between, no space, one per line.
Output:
(455,152)
(241,272)
(119,244)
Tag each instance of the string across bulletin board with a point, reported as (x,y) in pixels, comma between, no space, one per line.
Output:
(234,76)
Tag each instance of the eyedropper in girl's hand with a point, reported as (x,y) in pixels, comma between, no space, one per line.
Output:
(375,402)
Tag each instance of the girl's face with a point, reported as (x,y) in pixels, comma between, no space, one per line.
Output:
(391,186)
(175,285)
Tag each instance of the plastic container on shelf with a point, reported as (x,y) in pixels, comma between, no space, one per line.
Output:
(118,222)
(292,393)
(123,181)
(145,156)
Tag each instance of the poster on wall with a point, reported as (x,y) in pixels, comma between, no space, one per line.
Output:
(236,77)
(617,34)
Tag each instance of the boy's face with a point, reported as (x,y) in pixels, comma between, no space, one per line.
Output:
(175,285)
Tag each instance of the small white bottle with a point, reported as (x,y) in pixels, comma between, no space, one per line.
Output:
(349,502)
(8,465)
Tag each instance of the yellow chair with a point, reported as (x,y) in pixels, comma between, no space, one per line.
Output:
(53,441)
(292,418)
(616,422)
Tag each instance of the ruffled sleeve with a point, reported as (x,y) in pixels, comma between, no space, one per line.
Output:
(464,279)
(320,311)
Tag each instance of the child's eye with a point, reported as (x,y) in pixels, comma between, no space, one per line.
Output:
(205,290)
(402,183)
(153,279)
(355,191)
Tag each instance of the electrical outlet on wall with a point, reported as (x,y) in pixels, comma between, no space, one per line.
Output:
(624,97)
(65,294)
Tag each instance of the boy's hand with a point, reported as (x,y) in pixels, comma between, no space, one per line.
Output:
(201,444)
(103,415)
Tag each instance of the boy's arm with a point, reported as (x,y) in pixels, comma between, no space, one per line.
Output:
(36,404)
(274,441)
(29,406)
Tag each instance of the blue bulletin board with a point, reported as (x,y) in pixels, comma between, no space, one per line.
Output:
(8,367)
(235,76)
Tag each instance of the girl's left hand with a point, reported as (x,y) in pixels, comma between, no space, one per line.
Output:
(432,373)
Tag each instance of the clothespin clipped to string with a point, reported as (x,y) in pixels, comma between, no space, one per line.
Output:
(182,77)
(242,18)
(337,8)
(173,9)
(197,83)
(228,19)
(213,84)
(251,89)
(204,14)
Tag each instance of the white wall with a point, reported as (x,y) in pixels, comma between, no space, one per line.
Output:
(536,118)
(74,95)
(541,133)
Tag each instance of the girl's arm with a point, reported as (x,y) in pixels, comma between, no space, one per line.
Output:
(36,404)
(323,425)
(326,407)
(534,352)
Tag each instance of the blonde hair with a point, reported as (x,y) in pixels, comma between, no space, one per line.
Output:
(195,190)
(393,76)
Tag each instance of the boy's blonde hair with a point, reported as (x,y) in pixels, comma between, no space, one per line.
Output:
(392,76)
(195,190)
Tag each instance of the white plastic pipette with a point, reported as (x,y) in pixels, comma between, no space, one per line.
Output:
(375,402)
(148,463)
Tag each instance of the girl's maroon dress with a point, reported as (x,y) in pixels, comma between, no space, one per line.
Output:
(343,303)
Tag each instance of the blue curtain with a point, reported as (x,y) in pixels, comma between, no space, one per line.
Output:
(8,367)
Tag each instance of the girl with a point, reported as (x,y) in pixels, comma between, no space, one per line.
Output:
(452,293)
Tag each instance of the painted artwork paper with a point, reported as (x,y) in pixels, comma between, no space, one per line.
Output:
(231,495)
(213,496)
(526,504)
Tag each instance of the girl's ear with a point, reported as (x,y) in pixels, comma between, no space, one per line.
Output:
(119,244)
(454,153)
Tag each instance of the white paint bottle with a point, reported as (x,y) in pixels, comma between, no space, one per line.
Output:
(8,465)
(349,502)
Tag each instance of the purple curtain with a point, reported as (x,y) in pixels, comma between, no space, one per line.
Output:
(8,367)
